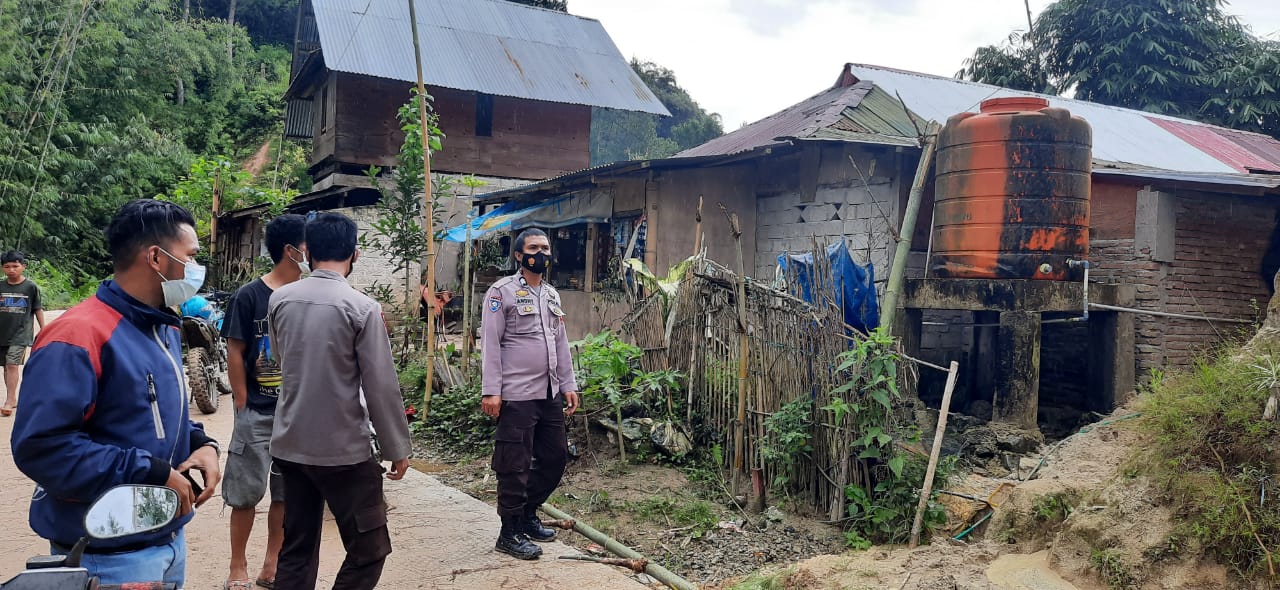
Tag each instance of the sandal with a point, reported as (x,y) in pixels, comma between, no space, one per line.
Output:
(237,585)
(265,583)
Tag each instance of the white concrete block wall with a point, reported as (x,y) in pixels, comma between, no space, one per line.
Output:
(785,223)
(377,267)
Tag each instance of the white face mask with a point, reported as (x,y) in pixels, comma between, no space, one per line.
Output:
(303,266)
(178,291)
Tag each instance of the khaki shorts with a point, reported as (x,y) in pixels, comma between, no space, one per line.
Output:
(14,355)
(249,467)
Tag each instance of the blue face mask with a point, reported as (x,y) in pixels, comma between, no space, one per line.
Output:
(178,291)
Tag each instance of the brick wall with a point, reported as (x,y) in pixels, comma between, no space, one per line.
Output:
(1218,249)
(1220,245)
(1064,362)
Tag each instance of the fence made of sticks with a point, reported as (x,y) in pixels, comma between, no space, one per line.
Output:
(791,353)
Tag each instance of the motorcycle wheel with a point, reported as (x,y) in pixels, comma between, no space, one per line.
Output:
(224,378)
(203,380)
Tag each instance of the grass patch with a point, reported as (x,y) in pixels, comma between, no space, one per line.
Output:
(1111,566)
(1213,457)
(1052,509)
(698,516)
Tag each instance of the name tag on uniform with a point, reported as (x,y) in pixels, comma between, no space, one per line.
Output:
(524,301)
(555,309)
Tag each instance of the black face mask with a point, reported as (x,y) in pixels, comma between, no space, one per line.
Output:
(536,262)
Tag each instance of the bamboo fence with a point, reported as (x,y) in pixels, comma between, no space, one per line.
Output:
(792,354)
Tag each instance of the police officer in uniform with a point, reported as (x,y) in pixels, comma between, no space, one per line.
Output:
(529,387)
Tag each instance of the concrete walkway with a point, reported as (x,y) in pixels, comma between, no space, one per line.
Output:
(442,537)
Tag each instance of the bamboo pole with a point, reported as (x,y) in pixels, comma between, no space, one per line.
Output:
(744,343)
(467,288)
(898,271)
(658,572)
(217,207)
(427,214)
(933,454)
(697,228)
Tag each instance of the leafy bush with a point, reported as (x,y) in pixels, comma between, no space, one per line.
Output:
(787,435)
(59,289)
(456,422)
(865,407)
(1212,453)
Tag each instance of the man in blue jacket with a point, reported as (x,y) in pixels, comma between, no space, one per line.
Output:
(106,402)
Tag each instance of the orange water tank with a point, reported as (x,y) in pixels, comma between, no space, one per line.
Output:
(1012,192)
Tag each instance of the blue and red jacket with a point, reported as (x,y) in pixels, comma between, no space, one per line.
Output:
(104,403)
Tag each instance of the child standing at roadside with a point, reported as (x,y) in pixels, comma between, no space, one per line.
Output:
(19,305)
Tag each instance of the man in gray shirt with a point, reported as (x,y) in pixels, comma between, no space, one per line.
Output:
(331,342)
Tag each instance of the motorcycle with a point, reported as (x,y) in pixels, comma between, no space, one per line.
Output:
(120,512)
(205,351)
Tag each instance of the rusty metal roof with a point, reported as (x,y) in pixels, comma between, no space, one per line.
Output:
(857,113)
(1119,134)
(488,46)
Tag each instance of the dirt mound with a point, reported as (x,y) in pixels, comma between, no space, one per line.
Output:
(1087,521)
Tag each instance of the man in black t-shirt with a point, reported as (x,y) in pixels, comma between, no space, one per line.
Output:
(254,370)
(19,305)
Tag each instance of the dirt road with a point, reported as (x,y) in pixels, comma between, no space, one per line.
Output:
(443,538)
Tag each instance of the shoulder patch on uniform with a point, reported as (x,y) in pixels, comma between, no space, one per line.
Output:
(495,304)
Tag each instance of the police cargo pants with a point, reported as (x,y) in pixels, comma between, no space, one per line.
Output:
(529,454)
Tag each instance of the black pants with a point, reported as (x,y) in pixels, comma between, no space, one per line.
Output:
(354,494)
(530,452)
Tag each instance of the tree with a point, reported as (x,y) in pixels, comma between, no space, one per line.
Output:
(557,5)
(92,115)
(628,135)
(1180,57)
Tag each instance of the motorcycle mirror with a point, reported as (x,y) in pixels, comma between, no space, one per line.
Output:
(130,510)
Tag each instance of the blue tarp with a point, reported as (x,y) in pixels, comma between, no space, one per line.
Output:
(855,286)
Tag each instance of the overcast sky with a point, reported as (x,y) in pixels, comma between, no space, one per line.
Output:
(747,59)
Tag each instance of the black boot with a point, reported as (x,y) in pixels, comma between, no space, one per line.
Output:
(513,542)
(534,530)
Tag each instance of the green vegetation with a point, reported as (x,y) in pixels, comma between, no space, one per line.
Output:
(1214,458)
(455,423)
(1111,566)
(1051,509)
(865,407)
(787,435)
(696,516)
(58,289)
(1178,57)
(110,101)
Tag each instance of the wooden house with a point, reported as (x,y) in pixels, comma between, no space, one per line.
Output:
(514,88)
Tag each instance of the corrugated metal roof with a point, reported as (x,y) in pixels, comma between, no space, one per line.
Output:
(1263,146)
(488,46)
(858,113)
(1250,183)
(1119,134)
(1220,146)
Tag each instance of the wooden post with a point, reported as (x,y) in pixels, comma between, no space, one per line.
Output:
(427,213)
(589,281)
(217,206)
(938,432)
(744,342)
(697,229)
